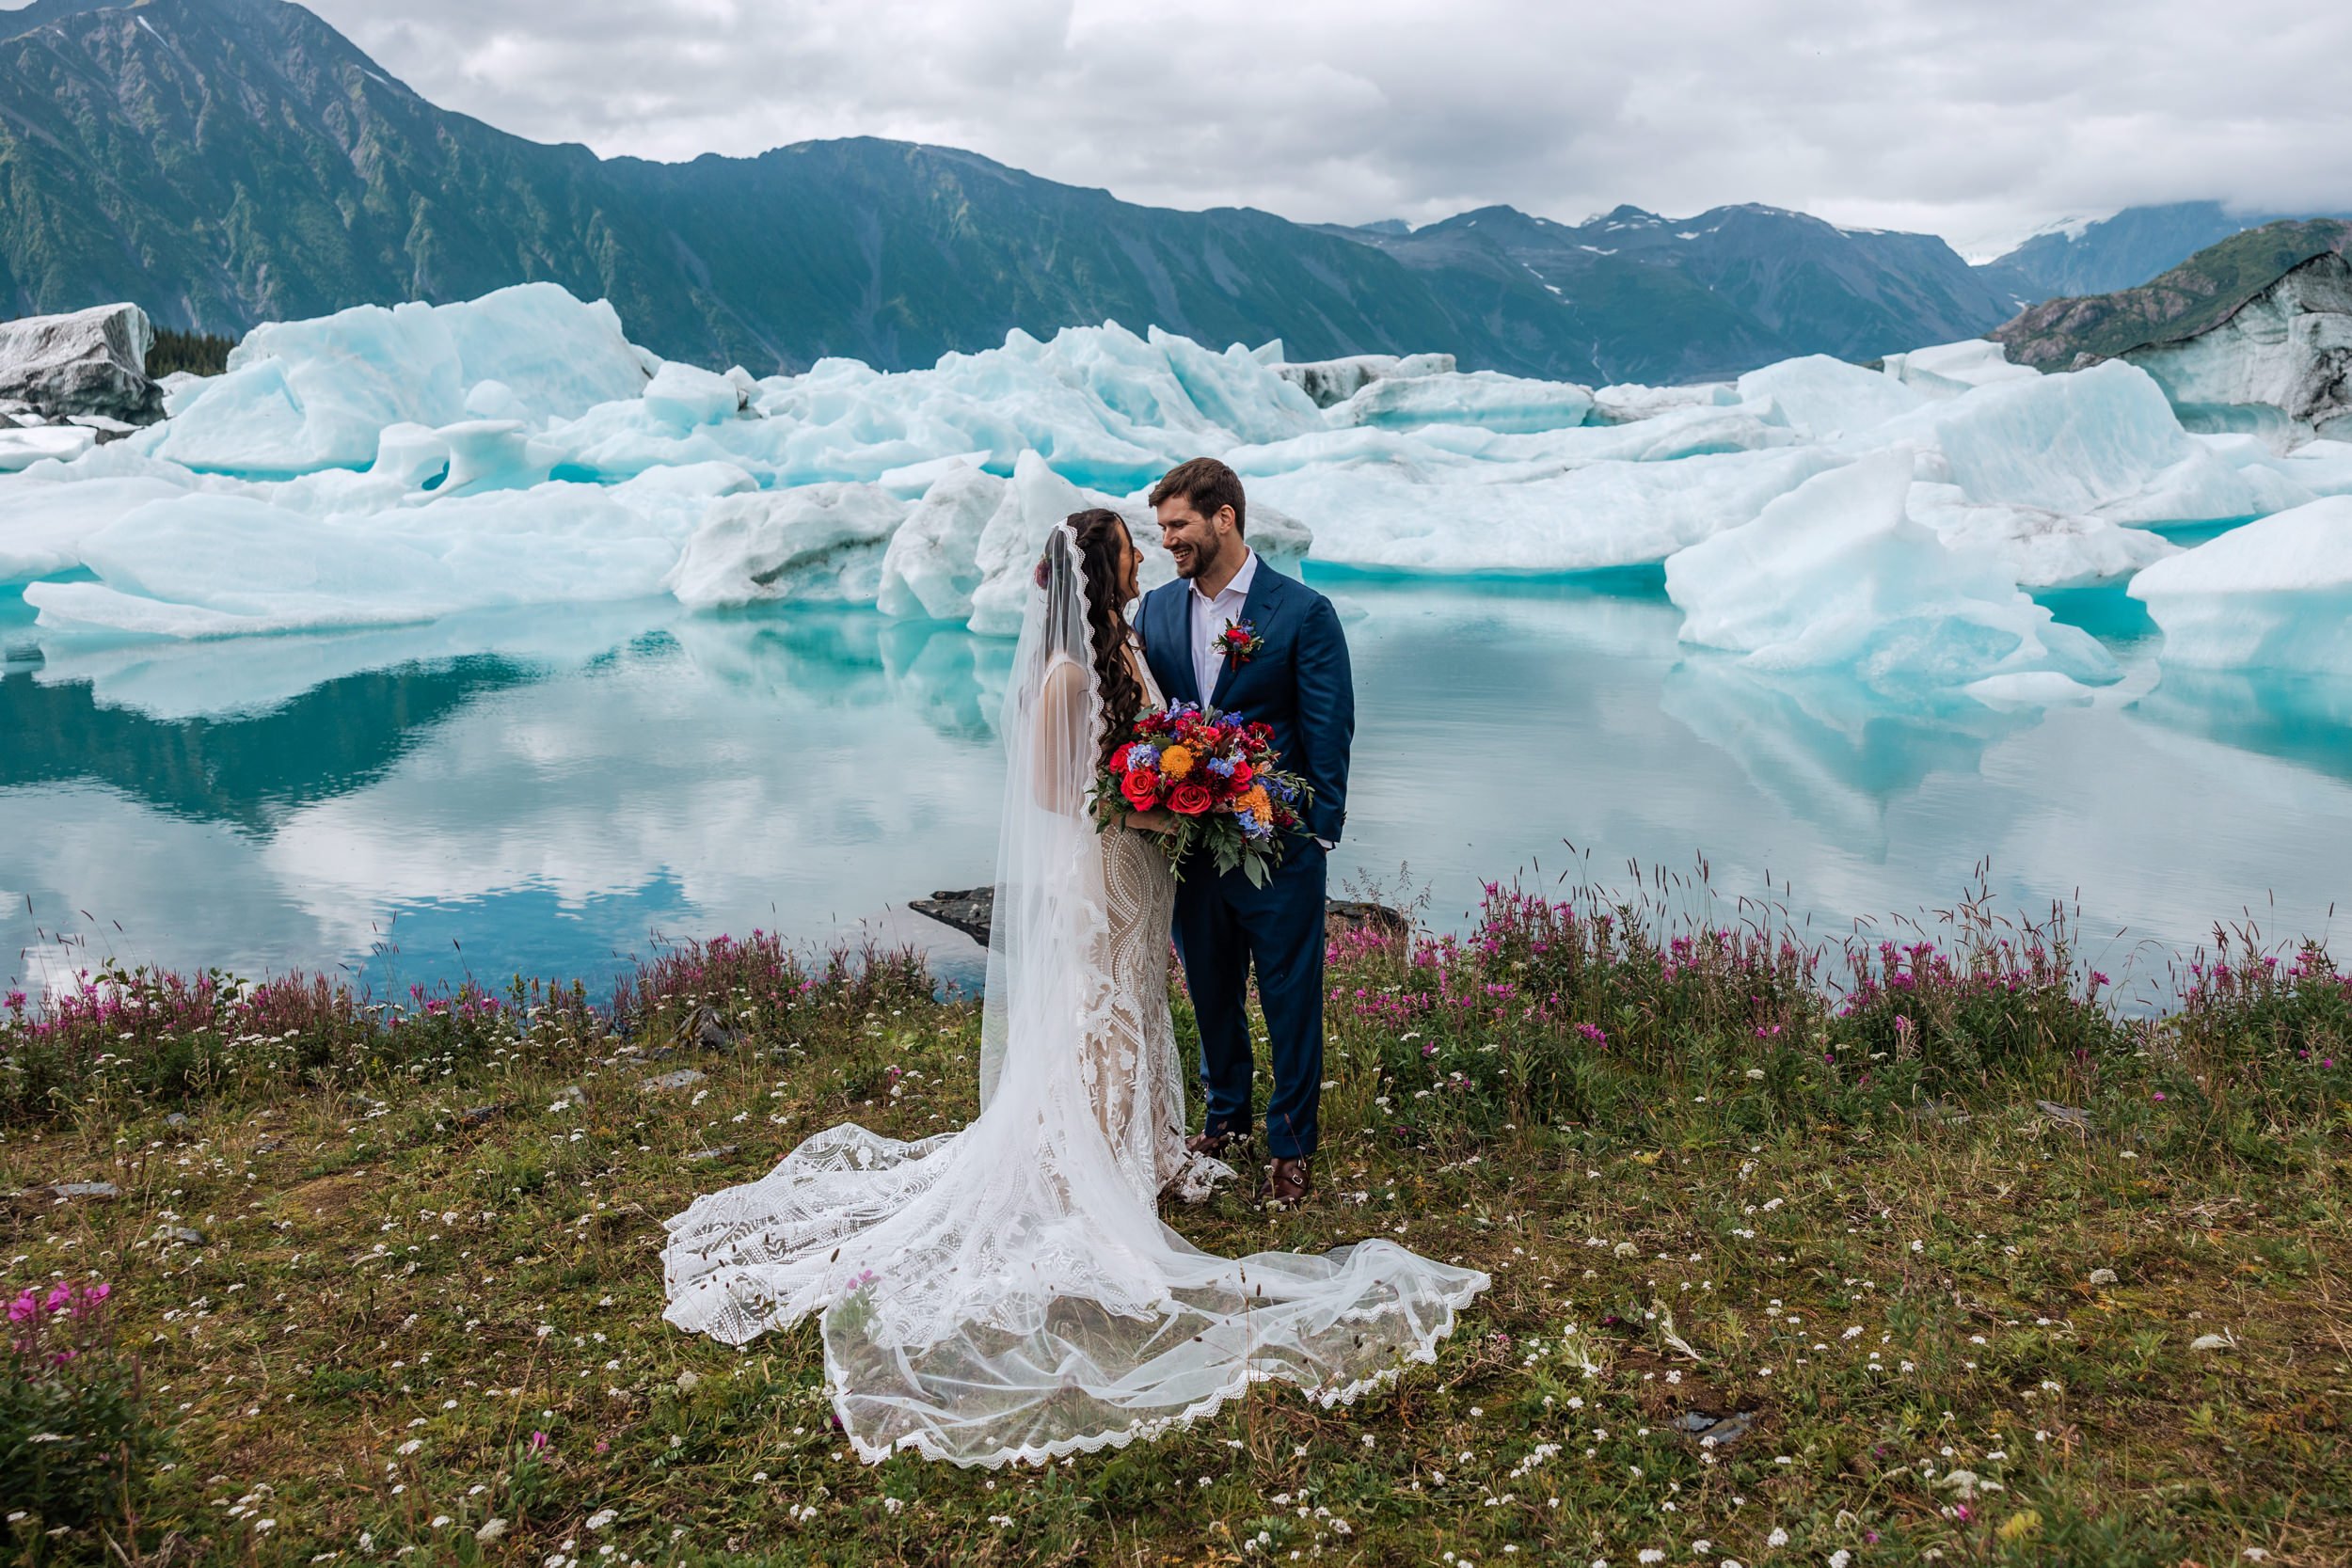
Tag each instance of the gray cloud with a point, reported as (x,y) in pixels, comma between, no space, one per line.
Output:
(1974,119)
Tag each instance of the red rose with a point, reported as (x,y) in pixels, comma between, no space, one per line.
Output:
(1189,799)
(1142,788)
(1243,773)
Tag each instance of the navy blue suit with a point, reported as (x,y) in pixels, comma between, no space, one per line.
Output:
(1298,683)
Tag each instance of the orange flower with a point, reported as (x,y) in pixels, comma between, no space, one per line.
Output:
(1176,762)
(1257,804)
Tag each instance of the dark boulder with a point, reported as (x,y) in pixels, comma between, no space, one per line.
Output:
(88,364)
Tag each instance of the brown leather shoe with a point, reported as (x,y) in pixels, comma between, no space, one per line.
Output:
(1214,1144)
(1289,1182)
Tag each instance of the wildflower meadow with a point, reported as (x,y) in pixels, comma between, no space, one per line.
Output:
(1880,1252)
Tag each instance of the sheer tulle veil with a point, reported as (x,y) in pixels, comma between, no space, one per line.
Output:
(1007,1290)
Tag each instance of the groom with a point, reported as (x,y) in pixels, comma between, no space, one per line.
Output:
(1295,679)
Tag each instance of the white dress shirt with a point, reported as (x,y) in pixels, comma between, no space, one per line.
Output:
(1210,616)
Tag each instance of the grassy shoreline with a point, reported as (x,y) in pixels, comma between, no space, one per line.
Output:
(1928,1258)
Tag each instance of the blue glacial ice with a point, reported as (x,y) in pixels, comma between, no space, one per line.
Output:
(2275,595)
(387,466)
(1836,575)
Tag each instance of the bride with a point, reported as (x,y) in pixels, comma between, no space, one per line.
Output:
(1007,1290)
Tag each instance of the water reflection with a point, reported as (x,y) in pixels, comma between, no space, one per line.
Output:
(545,791)
(2302,718)
(1830,749)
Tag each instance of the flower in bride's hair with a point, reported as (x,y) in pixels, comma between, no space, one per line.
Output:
(1044,573)
(1176,762)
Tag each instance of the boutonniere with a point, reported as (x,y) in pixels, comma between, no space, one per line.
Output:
(1240,641)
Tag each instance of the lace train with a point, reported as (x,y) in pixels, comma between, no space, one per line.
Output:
(1008,1291)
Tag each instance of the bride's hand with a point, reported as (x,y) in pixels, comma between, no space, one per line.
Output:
(1158,820)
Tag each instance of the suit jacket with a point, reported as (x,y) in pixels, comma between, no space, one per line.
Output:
(1298,682)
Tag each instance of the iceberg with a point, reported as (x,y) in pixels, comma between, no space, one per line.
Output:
(1491,401)
(43,527)
(1330,381)
(2039,549)
(301,396)
(1836,575)
(21,446)
(933,566)
(207,564)
(1626,402)
(821,542)
(1826,397)
(1403,515)
(1949,370)
(2102,442)
(2273,594)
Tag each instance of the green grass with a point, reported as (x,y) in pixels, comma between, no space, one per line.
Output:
(1752,1199)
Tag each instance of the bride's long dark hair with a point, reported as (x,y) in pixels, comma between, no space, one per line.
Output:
(1102,541)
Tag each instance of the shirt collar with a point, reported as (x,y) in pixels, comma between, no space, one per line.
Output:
(1242,579)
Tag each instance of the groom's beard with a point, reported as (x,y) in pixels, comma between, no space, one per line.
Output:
(1198,561)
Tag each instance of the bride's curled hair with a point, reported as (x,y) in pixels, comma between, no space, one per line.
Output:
(1104,546)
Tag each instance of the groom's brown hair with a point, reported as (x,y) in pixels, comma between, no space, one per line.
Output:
(1206,484)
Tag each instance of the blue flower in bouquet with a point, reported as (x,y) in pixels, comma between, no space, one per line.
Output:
(1221,767)
(1251,827)
(1141,755)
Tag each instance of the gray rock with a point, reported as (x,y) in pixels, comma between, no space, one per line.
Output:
(971,909)
(86,1189)
(182,1234)
(968,910)
(175,1119)
(92,361)
(721,1152)
(480,1115)
(266,1145)
(2065,1115)
(684,1078)
(1725,1430)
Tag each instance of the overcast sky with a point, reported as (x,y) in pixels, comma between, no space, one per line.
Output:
(1977,119)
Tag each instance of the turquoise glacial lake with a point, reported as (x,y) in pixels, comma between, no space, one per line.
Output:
(558,792)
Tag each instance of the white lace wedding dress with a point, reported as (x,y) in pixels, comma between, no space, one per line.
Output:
(1007,1290)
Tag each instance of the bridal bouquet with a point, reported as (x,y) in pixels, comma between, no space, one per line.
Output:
(1215,772)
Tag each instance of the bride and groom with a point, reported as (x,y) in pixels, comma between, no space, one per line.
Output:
(1008,1291)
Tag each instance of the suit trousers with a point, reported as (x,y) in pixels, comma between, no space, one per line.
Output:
(1224,929)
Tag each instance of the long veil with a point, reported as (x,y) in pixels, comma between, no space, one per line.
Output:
(1007,1290)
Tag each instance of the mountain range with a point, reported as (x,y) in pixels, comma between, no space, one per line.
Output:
(228,161)
(2127,249)
(2179,304)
